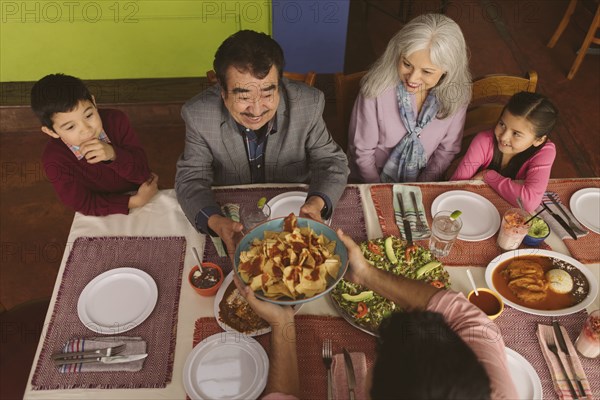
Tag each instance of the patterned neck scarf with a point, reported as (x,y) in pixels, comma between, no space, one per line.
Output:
(408,158)
(75,149)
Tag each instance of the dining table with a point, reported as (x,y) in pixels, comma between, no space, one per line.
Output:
(159,238)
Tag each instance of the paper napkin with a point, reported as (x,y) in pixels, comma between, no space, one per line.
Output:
(411,213)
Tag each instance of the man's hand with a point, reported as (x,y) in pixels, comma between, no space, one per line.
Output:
(274,314)
(359,267)
(228,230)
(312,208)
(95,151)
(146,191)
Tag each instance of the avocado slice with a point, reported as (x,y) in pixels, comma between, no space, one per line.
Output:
(362,296)
(431,265)
(389,250)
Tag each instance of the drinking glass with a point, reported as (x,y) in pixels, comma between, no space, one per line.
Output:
(513,228)
(588,342)
(444,231)
(252,215)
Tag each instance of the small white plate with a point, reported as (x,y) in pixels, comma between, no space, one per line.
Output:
(226,365)
(219,297)
(117,300)
(480,218)
(285,203)
(585,206)
(589,275)
(524,377)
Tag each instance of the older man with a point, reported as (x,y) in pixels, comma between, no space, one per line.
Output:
(255,127)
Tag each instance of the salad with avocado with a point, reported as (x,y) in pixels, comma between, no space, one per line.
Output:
(366,308)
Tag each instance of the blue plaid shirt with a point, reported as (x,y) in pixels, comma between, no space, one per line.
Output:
(256,143)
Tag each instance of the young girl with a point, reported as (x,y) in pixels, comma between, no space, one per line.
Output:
(515,158)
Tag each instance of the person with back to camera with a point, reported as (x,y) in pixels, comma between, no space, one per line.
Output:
(94,159)
(517,149)
(408,119)
(255,127)
(440,347)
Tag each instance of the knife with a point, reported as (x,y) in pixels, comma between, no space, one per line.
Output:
(350,374)
(564,213)
(561,221)
(406,223)
(563,347)
(420,224)
(104,360)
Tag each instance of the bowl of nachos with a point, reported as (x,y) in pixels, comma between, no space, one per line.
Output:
(291,260)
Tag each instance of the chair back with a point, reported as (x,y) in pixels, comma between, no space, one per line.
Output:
(309,78)
(346,91)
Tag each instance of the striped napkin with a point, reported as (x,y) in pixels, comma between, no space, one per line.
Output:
(232,211)
(134,345)
(558,379)
(411,214)
(340,379)
(552,223)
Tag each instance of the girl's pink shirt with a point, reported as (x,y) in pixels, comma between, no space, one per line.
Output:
(533,176)
(376,128)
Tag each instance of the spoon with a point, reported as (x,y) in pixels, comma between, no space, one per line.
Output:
(472,282)
(197,259)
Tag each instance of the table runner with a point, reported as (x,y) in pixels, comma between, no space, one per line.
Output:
(585,249)
(347,215)
(310,332)
(519,333)
(162,258)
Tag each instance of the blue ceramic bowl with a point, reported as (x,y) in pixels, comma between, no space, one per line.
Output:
(276,225)
(535,241)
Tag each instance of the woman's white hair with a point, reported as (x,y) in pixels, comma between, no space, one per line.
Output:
(447,49)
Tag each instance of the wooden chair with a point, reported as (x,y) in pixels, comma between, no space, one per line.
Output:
(490,94)
(590,37)
(346,91)
(309,78)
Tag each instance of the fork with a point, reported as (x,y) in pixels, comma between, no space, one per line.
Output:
(327,358)
(551,344)
(106,352)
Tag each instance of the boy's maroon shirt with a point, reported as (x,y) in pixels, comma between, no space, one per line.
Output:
(99,189)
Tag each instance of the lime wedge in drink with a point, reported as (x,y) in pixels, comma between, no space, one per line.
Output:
(455,214)
(261,202)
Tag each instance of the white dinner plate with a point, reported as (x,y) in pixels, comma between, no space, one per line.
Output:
(226,365)
(285,203)
(585,206)
(524,377)
(117,300)
(219,296)
(480,218)
(589,275)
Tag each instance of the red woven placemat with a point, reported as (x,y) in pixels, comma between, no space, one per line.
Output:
(162,258)
(310,332)
(347,215)
(519,333)
(587,248)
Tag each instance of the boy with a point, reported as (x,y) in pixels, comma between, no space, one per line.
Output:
(94,157)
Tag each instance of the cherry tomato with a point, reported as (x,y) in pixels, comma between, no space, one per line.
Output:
(361,310)
(437,284)
(373,248)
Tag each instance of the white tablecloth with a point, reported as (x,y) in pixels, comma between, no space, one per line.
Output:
(163,217)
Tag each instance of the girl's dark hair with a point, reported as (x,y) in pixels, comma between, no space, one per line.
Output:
(541,114)
(57,93)
(248,51)
(420,357)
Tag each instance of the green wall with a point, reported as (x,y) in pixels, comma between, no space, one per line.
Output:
(120,39)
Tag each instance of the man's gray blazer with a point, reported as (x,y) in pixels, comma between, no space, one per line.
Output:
(302,150)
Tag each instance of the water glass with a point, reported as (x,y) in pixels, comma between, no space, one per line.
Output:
(252,216)
(588,342)
(444,231)
(513,228)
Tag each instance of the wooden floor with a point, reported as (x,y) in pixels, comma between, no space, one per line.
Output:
(35,225)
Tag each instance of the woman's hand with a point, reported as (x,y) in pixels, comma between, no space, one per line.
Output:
(358,266)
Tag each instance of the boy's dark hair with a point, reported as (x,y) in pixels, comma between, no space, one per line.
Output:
(57,93)
(541,114)
(420,357)
(248,51)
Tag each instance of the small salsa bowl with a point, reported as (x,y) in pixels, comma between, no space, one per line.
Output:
(212,290)
(488,301)
(536,240)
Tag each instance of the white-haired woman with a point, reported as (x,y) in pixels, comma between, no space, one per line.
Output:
(408,119)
